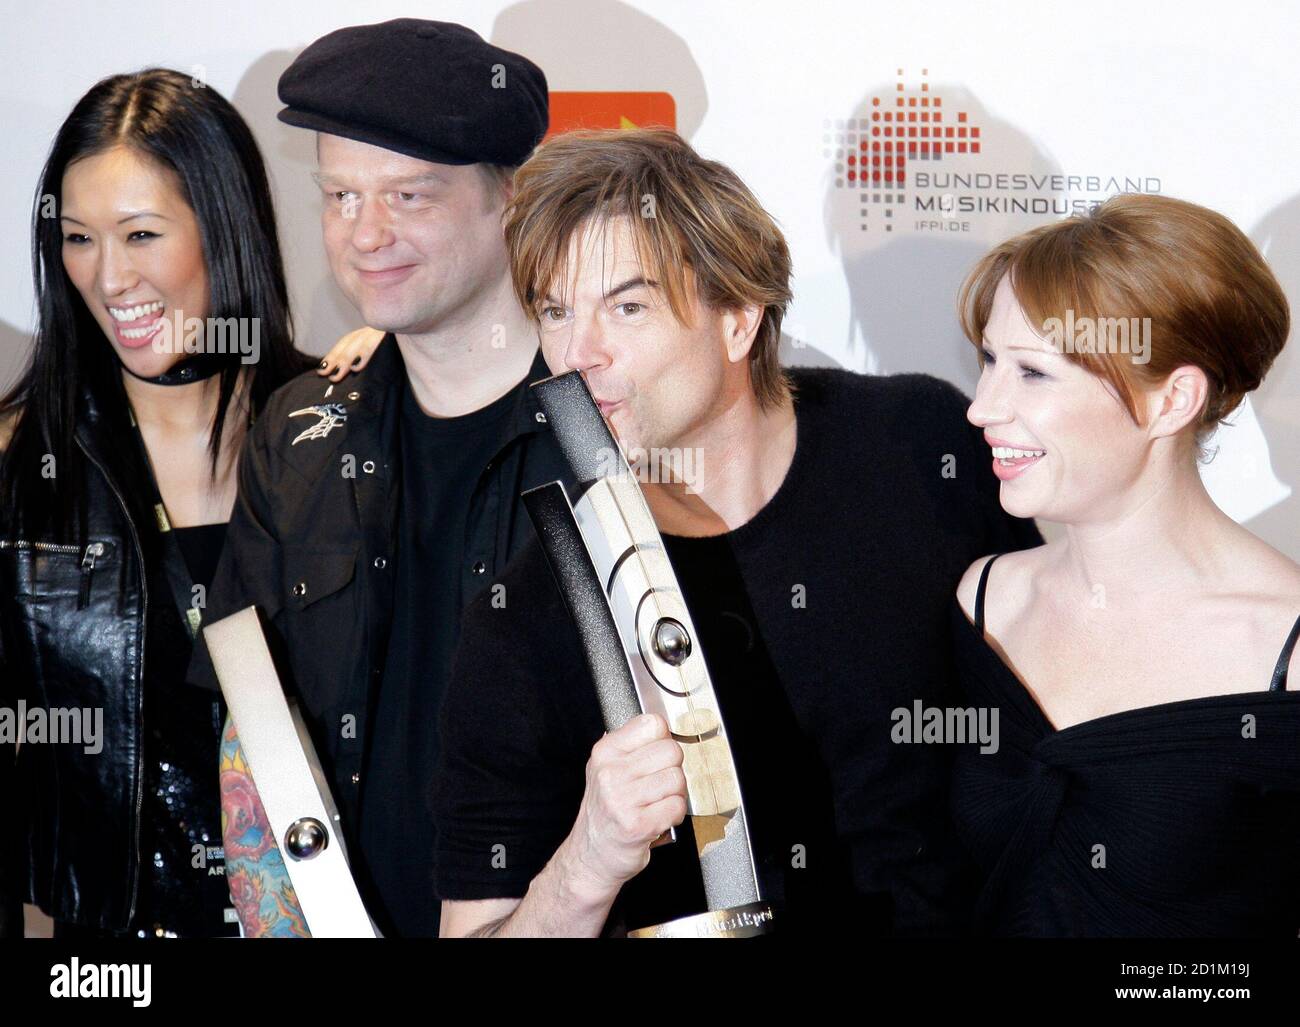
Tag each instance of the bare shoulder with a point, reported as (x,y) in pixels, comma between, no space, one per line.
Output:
(1279,581)
(1013,572)
(1279,578)
(1266,572)
(1287,572)
(1264,583)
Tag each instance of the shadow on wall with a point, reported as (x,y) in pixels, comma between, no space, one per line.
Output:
(903,282)
(903,285)
(544,31)
(629,50)
(1277,401)
(15,351)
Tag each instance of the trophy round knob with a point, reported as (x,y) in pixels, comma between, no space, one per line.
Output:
(672,643)
(306,838)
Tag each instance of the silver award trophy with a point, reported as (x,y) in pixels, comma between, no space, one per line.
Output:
(289,779)
(609,561)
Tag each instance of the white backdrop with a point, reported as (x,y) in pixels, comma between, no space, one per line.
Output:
(1196,100)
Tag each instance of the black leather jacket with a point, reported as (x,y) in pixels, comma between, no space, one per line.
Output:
(72,636)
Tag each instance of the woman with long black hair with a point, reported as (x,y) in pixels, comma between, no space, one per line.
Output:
(163,326)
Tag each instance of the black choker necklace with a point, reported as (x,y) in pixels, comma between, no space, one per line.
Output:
(190,370)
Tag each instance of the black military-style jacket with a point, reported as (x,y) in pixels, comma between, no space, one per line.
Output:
(314,532)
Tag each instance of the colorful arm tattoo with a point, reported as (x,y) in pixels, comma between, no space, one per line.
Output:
(259,883)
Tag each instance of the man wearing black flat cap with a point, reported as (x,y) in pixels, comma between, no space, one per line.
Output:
(372,511)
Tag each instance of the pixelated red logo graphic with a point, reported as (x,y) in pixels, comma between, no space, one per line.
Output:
(611,110)
(872,152)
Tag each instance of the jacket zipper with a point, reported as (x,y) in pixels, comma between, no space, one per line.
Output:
(93,551)
(139,692)
(89,555)
(45,547)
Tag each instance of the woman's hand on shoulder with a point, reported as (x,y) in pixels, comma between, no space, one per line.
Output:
(8,422)
(350,353)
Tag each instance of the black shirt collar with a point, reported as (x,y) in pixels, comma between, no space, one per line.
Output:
(381,384)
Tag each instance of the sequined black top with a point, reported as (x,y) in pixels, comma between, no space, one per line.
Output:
(182,873)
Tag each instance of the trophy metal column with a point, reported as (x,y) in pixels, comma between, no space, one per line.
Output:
(609,561)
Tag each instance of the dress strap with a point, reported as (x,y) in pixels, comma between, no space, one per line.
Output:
(979,594)
(1284,660)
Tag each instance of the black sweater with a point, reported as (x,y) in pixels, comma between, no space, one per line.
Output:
(849,571)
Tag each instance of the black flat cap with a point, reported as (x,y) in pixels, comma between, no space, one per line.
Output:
(428,89)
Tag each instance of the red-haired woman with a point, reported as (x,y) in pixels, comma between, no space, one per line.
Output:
(1146,779)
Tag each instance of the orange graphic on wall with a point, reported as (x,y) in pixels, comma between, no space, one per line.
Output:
(611,110)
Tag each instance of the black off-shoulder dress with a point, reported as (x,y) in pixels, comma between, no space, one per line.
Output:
(1180,819)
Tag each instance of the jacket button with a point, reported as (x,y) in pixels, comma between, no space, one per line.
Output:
(539,417)
(300,589)
(380,563)
(356,778)
(354,395)
(478,567)
(368,467)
